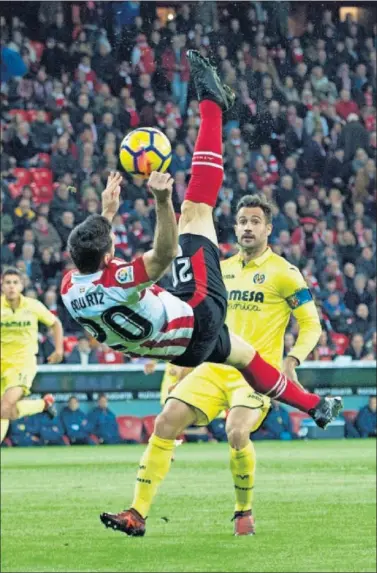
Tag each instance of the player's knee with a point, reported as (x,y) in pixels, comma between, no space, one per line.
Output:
(166,426)
(238,436)
(191,211)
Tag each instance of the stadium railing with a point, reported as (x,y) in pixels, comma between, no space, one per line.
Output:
(346,378)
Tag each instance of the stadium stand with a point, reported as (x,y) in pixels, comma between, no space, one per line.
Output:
(303,133)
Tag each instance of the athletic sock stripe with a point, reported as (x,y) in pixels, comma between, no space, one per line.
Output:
(282,388)
(208,153)
(207,163)
(275,389)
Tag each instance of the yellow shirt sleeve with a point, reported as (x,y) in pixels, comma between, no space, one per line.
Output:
(299,298)
(43,314)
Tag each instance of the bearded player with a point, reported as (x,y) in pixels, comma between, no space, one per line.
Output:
(263,288)
(20,316)
(115,301)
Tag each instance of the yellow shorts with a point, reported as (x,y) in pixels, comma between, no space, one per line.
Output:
(13,375)
(212,388)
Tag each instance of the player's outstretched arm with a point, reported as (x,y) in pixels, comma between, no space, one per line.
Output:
(58,354)
(111,195)
(309,332)
(165,246)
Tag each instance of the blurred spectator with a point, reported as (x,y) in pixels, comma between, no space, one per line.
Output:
(82,353)
(181,160)
(32,266)
(353,136)
(61,160)
(289,342)
(24,432)
(345,105)
(7,256)
(51,431)
(356,349)
(175,65)
(75,423)
(46,235)
(277,425)
(366,420)
(65,226)
(22,147)
(324,350)
(357,293)
(42,133)
(103,422)
(362,323)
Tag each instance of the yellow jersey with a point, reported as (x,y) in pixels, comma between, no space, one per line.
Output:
(262,294)
(19,329)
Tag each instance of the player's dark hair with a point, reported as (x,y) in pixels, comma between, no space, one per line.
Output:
(256,201)
(12,271)
(89,242)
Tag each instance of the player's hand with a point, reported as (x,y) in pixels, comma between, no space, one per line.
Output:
(150,367)
(111,196)
(161,185)
(55,357)
(289,369)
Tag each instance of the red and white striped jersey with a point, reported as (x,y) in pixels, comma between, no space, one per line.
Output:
(121,307)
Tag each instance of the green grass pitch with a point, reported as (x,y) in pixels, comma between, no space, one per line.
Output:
(315,506)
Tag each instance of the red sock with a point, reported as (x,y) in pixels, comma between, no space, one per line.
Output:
(207,163)
(268,380)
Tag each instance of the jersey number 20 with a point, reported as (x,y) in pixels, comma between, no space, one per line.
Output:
(122,321)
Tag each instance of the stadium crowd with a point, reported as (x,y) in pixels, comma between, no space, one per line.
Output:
(302,132)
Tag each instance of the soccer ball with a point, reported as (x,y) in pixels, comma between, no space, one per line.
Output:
(145,150)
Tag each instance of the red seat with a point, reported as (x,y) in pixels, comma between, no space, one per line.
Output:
(130,428)
(350,415)
(22,112)
(45,158)
(22,175)
(296,419)
(41,176)
(42,193)
(148,423)
(341,342)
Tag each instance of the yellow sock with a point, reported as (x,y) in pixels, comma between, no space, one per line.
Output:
(4,429)
(242,466)
(154,465)
(30,407)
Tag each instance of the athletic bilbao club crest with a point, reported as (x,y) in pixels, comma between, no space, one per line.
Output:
(125,275)
(293,301)
(259,279)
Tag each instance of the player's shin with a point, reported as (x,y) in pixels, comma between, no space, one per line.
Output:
(242,466)
(153,467)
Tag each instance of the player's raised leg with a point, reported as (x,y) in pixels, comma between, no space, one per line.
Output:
(269,380)
(207,163)
(153,467)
